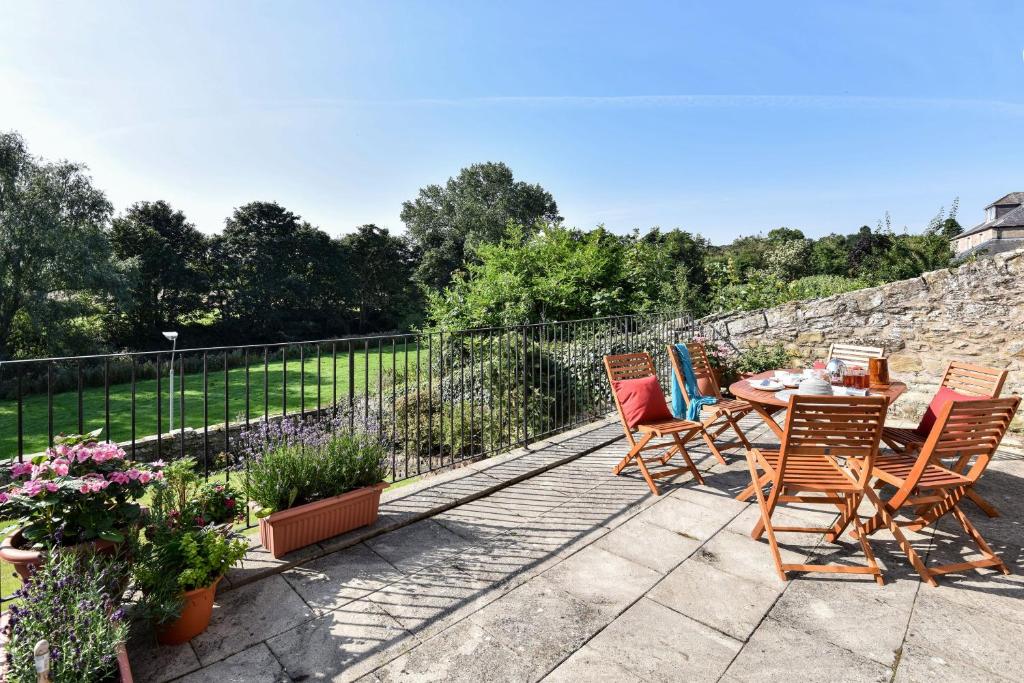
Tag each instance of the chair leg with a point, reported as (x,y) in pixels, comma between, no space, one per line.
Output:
(885,517)
(739,432)
(711,446)
(852,503)
(772,502)
(978,540)
(766,521)
(633,453)
(689,462)
(985,506)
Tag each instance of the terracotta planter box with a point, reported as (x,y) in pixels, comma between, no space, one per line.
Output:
(288,530)
(194,618)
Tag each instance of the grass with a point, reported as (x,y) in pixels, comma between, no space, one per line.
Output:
(368,368)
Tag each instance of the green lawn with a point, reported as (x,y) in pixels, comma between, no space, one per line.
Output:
(368,366)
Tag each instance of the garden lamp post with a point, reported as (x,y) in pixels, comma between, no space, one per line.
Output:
(173,338)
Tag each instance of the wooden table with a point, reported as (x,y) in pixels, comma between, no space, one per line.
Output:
(767,403)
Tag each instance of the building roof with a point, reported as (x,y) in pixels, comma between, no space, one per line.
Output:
(991,247)
(1014,198)
(1010,219)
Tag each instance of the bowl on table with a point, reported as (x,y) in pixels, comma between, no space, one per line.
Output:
(766,384)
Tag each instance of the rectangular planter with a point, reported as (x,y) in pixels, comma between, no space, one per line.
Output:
(294,528)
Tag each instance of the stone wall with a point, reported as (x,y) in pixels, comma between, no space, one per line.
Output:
(973,313)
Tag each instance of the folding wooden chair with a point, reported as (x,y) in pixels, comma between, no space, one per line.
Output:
(636,366)
(715,418)
(821,432)
(854,355)
(965,379)
(968,432)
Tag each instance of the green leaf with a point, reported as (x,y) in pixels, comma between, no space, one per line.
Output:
(112,536)
(264,512)
(293,493)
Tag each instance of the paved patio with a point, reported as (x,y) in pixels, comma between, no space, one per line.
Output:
(576,575)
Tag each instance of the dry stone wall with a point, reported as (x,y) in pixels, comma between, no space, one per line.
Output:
(973,313)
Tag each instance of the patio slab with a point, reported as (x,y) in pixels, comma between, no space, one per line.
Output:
(579,575)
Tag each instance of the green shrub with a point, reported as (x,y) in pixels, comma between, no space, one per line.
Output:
(72,603)
(818,286)
(763,357)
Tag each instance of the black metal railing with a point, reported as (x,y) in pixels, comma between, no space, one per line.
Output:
(436,398)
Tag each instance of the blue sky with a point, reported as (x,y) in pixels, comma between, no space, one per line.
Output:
(723,118)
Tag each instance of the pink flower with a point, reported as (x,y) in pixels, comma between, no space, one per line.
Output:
(118,477)
(33,487)
(158,475)
(3,497)
(84,488)
(20,469)
(230,502)
(60,467)
(51,487)
(145,477)
(159,463)
(133,474)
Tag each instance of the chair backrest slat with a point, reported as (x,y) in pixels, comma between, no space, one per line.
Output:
(969,431)
(854,355)
(974,380)
(627,366)
(838,426)
(702,369)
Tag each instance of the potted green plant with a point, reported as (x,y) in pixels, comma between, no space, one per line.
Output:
(71,601)
(308,483)
(81,492)
(186,549)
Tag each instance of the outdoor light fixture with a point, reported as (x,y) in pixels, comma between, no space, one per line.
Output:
(173,338)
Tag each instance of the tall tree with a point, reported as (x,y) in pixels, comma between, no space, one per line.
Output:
(55,257)
(379,269)
(171,279)
(280,274)
(475,207)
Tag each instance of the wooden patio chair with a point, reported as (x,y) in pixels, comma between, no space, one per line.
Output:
(966,380)
(720,416)
(854,355)
(633,366)
(968,433)
(807,468)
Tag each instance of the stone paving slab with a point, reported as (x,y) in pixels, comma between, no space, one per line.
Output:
(578,575)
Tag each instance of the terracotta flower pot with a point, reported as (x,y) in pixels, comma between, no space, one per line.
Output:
(294,528)
(23,559)
(194,618)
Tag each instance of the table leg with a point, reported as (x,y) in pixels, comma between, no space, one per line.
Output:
(766,414)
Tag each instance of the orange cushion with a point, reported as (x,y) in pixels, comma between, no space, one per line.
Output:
(943,396)
(642,400)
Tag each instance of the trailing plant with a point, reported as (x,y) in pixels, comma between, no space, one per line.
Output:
(79,490)
(179,558)
(292,463)
(72,602)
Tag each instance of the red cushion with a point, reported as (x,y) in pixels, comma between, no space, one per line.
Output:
(943,396)
(642,401)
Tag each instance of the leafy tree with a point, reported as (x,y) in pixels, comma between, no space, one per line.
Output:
(448,223)
(171,278)
(281,278)
(667,271)
(379,267)
(830,255)
(55,258)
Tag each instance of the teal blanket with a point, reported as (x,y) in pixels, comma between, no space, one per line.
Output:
(680,408)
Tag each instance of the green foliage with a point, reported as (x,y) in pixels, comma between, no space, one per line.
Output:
(448,224)
(55,262)
(564,274)
(297,464)
(379,289)
(179,558)
(72,603)
(763,357)
(184,497)
(170,275)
